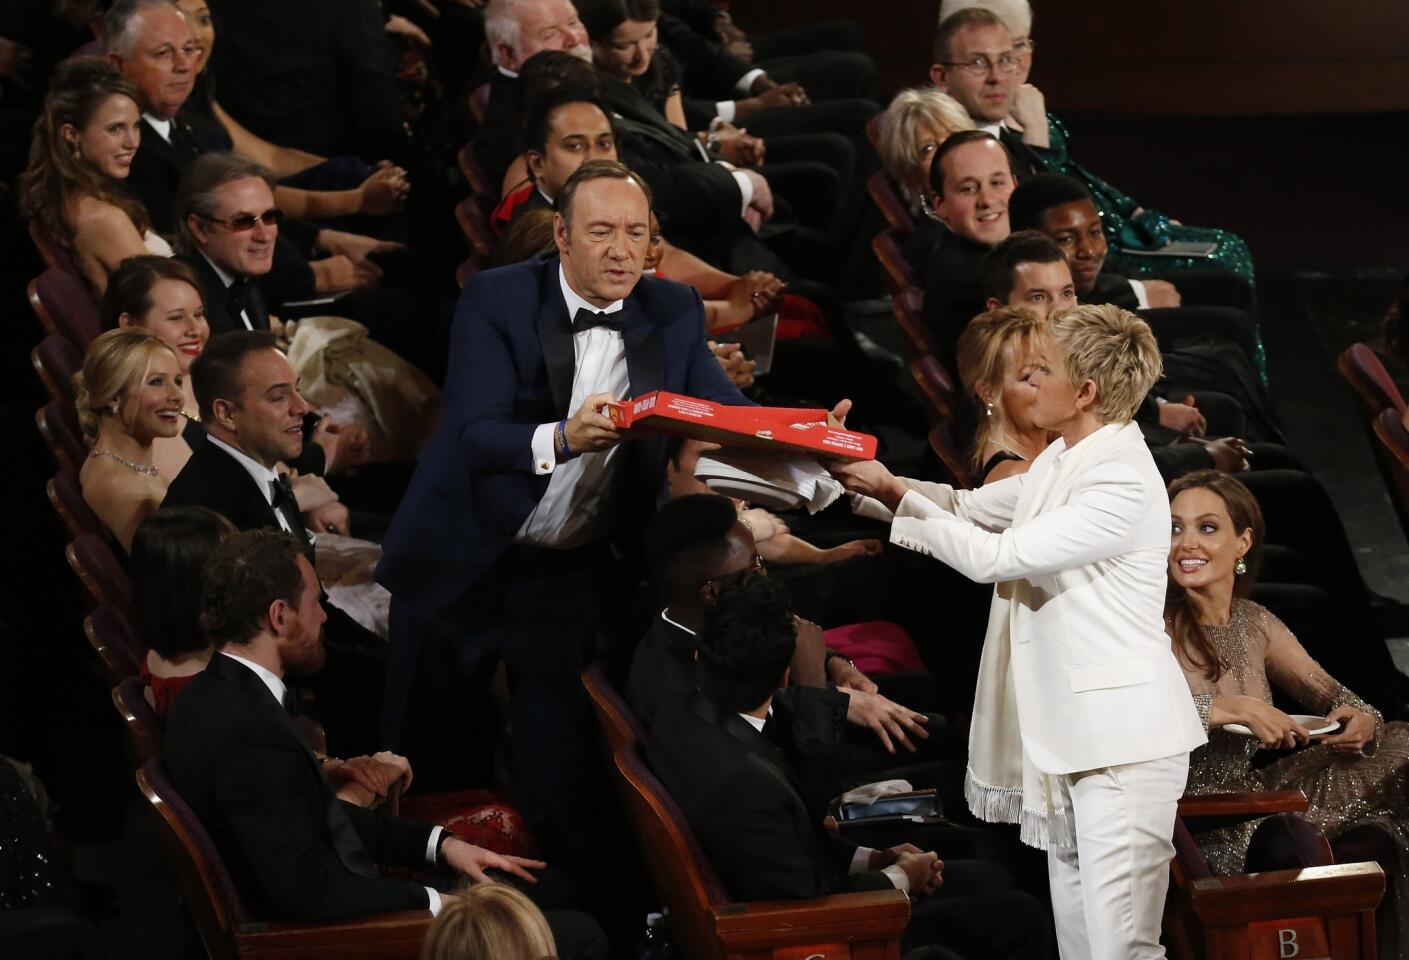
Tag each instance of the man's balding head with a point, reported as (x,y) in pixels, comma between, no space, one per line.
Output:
(153,45)
(517,29)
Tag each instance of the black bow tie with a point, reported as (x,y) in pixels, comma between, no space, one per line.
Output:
(238,292)
(283,493)
(586,319)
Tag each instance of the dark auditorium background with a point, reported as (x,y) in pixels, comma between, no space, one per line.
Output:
(1283,121)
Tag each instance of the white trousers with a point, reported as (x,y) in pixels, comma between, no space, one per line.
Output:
(1108,893)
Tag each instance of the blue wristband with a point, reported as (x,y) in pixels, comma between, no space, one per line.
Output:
(563,439)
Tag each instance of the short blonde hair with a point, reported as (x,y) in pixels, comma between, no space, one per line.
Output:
(115,361)
(1114,349)
(489,921)
(982,356)
(896,138)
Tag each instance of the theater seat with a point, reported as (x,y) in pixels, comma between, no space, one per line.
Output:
(1392,442)
(954,467)
(889,203)
(886,247)
(908,305)
(473,172)
(56,360)
(66,497)
(112,637)
(617,721)
(229,929)
(706,924)
(100,573)
(58,425)
(937,388)
(65,307)
(1300,898)
(1369,381)
(475,227)
(144,729)
(479,103)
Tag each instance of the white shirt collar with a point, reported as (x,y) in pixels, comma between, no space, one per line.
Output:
(665,615)
(162,127)
(262,475)
(994,128)
(576,303)
(226,277)
(269,677)
(543,195)
(507,72)
(757,722)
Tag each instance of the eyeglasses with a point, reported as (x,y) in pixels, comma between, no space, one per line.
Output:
(980,65)
(246,221)
(1024,47)
(729,579)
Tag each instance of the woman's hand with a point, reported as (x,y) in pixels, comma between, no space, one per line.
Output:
(376,773)
(763,525)
(1358,732)
(870,478)
(1030,111)
(311,492)
(386,189)
(844,674)
(1271,726)
(330,518)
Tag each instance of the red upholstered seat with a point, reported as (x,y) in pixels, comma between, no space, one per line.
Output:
(1371,383)
(100,573)
(58,425)
(56,360)
(64,306)
(66,497)
(886,246)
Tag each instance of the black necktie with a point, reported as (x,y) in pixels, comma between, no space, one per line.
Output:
(284,502)
(239,293)
(586,319)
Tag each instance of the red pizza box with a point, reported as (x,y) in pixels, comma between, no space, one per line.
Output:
(791,429)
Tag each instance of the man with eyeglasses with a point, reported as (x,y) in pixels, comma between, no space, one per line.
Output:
(977,63)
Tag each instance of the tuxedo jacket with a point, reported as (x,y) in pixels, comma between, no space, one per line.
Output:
(738,790)
(296,851)
(953,282)
(221,311)
(511,369)
(1096,681)
(217,481)
(1114,288)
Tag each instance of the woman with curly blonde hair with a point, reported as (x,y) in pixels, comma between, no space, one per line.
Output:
(129,393)
(73,191)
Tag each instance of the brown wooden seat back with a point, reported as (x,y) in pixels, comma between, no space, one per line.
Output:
(937,387)
(100,573)
(1393,442)
(112,637)
(54,256)
(886,246)
(681,872)
(954,466)
(144,728)
(873,132)
(889,203)
(58,425)
(909,308)
(1369,381)
(475,227)
(65,306)
(618,722)
(66,497)
(56,360)
(479,102)
(473,172)
(466,271)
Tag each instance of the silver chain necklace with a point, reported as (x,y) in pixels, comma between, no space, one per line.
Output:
(146,470)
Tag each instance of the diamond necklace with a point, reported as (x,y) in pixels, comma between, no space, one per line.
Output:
(146,470)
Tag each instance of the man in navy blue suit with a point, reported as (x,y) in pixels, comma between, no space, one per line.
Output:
(503,548)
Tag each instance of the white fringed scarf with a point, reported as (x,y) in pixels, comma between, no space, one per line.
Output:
(1001,784)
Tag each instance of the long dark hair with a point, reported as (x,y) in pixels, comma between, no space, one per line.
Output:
(1190,638)
(169,551)
(55,176)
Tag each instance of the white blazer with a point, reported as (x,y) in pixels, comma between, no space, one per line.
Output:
(1095,680)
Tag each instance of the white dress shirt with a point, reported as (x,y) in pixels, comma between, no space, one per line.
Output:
(162,127)
(577,506)
(276,686)
(262,476)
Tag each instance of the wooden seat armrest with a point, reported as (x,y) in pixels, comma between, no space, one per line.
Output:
(1340,888)
(390,936)
(874,915)
(1242,805)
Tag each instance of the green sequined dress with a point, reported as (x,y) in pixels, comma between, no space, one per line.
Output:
(1150,229)
(1343,790)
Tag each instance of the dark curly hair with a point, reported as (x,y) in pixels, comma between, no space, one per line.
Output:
(245,574)
(748,641)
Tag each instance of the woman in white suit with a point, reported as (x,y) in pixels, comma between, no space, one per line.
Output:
(1082,721)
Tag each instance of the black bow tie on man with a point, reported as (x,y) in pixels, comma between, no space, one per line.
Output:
(586,319)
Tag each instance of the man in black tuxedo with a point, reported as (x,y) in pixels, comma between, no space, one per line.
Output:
(736,762)
(1186,305)
(503,545)
(971,176)
(254,419)
(297,851)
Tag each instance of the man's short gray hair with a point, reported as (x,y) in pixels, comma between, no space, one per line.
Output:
(118,33)
(1015,14)
(501,25)
(205,175)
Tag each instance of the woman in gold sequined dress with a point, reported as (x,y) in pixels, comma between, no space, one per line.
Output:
(1232,650)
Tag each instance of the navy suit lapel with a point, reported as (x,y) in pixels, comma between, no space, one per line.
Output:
(555,338)
(645,350)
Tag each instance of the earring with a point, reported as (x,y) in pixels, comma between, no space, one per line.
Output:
(77,153)
(989,408)
(1240,567)
(113,408)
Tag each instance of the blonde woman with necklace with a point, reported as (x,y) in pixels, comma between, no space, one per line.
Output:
(995,358)
(129,394)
